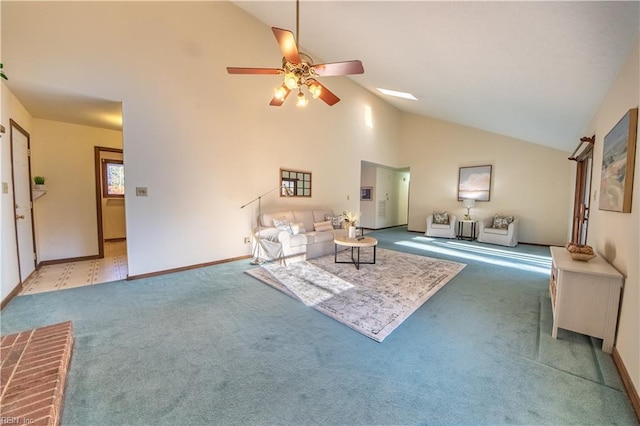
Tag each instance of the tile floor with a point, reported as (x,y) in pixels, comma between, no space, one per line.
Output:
(112,267)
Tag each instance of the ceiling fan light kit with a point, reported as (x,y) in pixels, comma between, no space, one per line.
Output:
(299,71)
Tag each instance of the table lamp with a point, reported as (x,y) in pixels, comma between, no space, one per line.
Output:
(468,203)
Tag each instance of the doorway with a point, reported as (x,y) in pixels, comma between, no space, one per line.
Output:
(384,195)
(583,156)
(21,181)
(110,201)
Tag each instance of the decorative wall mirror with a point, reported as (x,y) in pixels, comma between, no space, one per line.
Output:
(298,183)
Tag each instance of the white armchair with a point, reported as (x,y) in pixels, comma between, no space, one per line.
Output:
(502,236)
(441,230)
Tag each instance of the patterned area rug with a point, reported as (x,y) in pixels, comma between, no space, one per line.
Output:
(373,300)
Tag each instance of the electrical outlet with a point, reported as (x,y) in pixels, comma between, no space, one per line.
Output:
(247,240)
(5,187)
(141,191)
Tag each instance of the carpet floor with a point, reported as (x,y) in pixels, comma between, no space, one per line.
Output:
(216,346)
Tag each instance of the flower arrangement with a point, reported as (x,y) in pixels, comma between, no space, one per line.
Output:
(351,217)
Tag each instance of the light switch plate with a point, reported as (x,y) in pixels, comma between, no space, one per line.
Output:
(141,191)
(5,187)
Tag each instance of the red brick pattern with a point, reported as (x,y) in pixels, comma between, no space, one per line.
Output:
(33,371)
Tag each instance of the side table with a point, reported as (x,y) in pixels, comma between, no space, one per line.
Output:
(460,231)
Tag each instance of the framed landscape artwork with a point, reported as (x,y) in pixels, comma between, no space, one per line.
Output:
(618,162)
(366,193)
(475,183)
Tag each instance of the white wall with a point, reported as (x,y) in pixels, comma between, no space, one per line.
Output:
(528,180)
(66,216)
(616,236)
(202,141)
(11,109)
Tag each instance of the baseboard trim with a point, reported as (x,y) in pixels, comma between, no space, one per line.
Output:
(11,295)
(626,381)
(71,259)
(185,268)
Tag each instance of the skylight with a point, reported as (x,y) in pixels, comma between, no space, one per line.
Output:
(397,94)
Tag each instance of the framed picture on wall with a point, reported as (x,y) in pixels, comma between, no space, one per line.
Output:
(366,193)
(474,183)
(618,162)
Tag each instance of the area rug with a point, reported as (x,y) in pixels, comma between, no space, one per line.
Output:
(373,300)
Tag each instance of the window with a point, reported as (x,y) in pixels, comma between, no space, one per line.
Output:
(298,183)
(112,178)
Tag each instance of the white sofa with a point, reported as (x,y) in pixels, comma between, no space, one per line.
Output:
(300,241)
(441,230)
(505,237)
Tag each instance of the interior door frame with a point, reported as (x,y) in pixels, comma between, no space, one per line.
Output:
(98,177)
(583,156)
(14,125)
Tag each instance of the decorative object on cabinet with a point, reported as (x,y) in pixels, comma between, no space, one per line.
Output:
(583,253)
(469,203)
(584,296)
(618,161)
(474,182)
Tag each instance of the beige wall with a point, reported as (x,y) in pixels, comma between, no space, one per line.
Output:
(66,217)
(528,180)
(616,236)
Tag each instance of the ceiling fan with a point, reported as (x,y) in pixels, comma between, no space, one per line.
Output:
(299,70)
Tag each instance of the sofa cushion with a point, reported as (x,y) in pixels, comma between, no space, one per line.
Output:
(323,226)
(497,231)
(441,218)
(267,218)
(319,237)
(501,222)
(336,221)
(438,226)
(306,217)
(298,240)
(283,224)
(319,215)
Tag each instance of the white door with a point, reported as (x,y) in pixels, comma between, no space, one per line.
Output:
(22,200)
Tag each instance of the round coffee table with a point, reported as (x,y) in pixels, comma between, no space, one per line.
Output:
(356,244)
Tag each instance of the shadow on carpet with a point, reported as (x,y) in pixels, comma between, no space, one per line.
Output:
(373,300)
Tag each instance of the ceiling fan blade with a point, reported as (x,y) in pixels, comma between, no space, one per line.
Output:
(339,68)
(276,101)
(287,43)
(237,70)
(325,94)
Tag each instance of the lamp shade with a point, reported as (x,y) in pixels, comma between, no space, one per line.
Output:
(469,202)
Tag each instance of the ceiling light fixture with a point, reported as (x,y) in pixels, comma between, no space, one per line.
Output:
(300,71)
(403,95)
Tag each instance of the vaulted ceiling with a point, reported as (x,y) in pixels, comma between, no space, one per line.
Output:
(536,71)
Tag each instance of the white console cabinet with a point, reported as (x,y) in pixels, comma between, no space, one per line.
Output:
(584,296)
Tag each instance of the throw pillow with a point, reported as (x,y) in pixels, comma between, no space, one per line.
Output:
(502,222)
(441,218)
(283,224)
(336,221)
(301,228)
(323,226)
